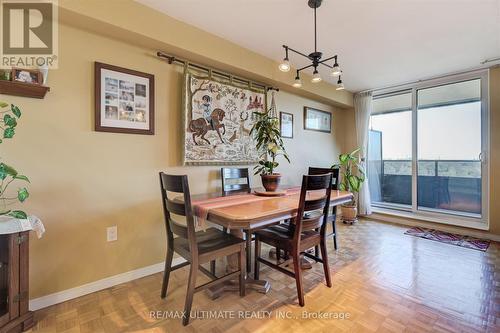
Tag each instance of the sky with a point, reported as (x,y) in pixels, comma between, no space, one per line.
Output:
(444,133)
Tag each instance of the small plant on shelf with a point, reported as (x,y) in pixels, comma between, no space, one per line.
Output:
(268,140)
(9,115)
(353,176)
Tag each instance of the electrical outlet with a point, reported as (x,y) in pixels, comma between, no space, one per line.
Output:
(112,233)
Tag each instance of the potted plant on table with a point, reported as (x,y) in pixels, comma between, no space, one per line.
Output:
(353,176)
(268,137)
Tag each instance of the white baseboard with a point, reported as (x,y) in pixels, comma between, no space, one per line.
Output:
(65,295)
(446,228)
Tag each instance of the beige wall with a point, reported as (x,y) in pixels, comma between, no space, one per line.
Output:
(84,181)
(495,150)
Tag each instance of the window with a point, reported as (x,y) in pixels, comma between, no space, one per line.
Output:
(427,150)
(390,151)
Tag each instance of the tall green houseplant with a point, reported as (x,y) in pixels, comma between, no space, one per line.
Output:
(269,141)
(9,115)
(351,171)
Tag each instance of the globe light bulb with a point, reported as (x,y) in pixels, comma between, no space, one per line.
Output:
(336,70)
(316,77)
(285,65)
(297,83)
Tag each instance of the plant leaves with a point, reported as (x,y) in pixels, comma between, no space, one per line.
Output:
(354,183)
(22,177)
(343,158)
(18,214)
(3,105)
(9,120)
(6,170)
(22,194)
(15,110)
(8,133)
(354,152)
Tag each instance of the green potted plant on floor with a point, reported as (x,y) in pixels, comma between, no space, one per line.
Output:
(9,114)
(353,176)
(268,140)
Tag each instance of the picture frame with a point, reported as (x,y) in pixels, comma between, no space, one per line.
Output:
(286,125)
(31,76)
(124,100)
(317,120)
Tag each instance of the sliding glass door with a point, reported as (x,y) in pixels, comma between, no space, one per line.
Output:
(428,148)
(449,147)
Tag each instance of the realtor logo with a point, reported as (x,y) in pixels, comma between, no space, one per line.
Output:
(29,33)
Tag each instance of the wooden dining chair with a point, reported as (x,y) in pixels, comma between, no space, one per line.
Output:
(335,185)
(235,180)
(196,247)
(305,231)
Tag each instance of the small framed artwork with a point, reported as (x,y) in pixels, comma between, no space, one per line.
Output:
(32,76)
(286,125)
(317,120)
(124,100)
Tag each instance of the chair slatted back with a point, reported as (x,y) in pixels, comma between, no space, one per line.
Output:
(314,204)
(177,185)
(230,176)
(322,171)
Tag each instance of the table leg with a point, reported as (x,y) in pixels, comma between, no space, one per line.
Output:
(261,286)
(248,238)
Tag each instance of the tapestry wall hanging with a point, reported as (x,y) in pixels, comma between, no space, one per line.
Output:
(218,119)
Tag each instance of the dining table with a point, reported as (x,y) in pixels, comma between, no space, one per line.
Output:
(245,213)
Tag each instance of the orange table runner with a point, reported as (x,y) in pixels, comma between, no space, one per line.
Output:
(202,207)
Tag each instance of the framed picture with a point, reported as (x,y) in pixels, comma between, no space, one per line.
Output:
(32,76)
(317,120)
(286,125)
(124,100)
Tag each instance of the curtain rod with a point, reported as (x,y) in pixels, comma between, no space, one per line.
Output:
(426,79)
(173,59)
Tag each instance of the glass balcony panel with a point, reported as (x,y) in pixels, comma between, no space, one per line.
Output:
(449,147)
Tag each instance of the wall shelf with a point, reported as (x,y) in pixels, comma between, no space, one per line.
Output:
(23,89)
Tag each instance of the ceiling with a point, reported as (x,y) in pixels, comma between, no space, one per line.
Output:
(379,42)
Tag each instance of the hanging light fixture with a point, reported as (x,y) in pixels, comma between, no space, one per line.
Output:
(285,64)
(314,57)
(336,69)
(298,82)
(316,77)
(340,84)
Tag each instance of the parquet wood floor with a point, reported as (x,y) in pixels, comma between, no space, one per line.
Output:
(383,281)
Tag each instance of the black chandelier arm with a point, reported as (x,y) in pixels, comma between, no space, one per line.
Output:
(323,62)
(306,67)
(295,51)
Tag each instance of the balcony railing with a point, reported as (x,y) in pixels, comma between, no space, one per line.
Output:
(452,185)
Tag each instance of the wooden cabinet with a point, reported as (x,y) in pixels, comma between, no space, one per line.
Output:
(14,296)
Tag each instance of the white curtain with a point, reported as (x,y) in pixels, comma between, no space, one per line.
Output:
(363,109)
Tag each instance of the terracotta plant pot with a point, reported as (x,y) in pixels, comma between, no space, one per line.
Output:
(271,182)
(349,213)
